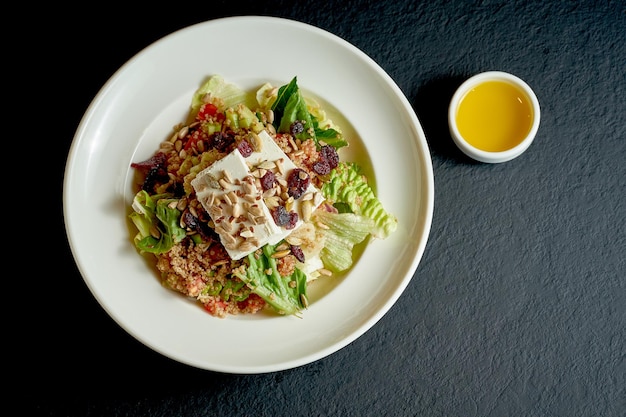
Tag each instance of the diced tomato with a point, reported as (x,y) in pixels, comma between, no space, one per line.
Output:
(206,110)
(216,307)
(253,303)
(216,252)
(192,139)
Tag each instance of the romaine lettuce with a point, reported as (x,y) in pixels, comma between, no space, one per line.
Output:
(348,187)
(345,230)
(229,94)
(262,276)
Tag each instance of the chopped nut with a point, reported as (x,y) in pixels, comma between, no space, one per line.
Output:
(246,246)
(267,165)
(255,141)
(325,272)
(307,209)
(246,233)
(225,184)
(281,254)
(227,176)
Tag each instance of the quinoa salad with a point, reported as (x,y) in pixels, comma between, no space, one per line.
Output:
(248,202)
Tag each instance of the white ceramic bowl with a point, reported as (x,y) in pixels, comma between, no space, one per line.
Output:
(135,111)
(483,155)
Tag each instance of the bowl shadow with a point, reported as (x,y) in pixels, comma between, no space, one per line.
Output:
(431,102)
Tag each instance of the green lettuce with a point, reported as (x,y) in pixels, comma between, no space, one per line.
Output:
(229,93)
(290,106)
(264,96)
(349,190)
(345,230)
(152,213)
(262,276)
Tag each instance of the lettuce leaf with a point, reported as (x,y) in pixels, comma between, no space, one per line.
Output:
(229,94)
(345,230)
(325,129)
(284,92)
(262,276)
(348,188)
(290,105)
(294,109)
(264,96)
(153,216)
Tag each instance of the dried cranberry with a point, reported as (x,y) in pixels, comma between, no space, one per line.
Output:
(283,218)
(296,127)
(221,141)
(244,148)
(280,215)
(297,182)
(155,170)
(193,138)
(202,228)
(268,180)
(190,220)
(297,252)
(321,167)
(154,177)
(178,189)
(329,155)
(156,161)
(293,219)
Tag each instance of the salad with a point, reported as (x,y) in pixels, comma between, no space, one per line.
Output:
(248,202)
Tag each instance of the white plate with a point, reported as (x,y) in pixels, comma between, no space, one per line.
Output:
(137,108)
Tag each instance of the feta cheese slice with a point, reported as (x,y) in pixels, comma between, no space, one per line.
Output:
(230,191)
(270,152)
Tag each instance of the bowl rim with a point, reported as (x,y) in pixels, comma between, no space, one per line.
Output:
(97,177)
(480,154)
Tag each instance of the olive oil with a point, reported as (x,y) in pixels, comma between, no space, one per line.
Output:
(494,116)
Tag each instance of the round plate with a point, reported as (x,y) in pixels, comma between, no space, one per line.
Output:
(137,108)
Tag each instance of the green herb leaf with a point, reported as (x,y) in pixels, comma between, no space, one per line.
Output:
(262,276)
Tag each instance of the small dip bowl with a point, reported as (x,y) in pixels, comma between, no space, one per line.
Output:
(493,117)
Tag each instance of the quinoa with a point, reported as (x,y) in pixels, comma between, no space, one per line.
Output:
(204,274)
(287,265)
(304,154)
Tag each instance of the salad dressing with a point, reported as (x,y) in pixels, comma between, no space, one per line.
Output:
(494,116)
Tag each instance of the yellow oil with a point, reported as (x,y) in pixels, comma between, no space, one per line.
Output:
(494,116)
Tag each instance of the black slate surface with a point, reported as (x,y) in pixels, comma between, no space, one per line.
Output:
(518,306)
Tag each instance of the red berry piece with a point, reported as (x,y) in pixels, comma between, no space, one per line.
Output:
(297,182)
(297,252)
(321,167)
(284,218)
(296,127)
(268,180)
(329,155)
(244,148)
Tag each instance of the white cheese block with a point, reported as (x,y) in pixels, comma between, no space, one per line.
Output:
(270,151)
(230,192)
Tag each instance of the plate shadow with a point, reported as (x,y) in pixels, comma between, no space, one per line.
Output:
(431,102)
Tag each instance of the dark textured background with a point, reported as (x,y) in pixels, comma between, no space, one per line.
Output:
(518,306)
